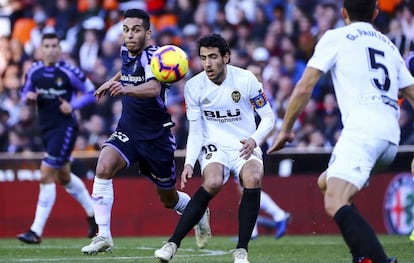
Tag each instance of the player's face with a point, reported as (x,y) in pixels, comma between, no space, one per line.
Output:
(50,50)
(214,64)
(135,35)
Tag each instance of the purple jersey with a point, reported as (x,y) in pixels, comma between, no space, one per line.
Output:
(61,80)
(142,118)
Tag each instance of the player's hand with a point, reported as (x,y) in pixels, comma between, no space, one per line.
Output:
(116,89)
(187,173)
(281,140)
(65,106)
(248,147)
(31,97)
(103,89)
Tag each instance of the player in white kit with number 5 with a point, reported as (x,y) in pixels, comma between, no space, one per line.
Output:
(368,74)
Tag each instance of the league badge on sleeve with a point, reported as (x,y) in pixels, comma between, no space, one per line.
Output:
(260,100)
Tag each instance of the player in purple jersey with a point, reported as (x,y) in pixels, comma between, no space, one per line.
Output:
(142,135)
(57,89)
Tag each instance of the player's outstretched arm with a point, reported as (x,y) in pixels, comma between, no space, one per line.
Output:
(101,91)
(300,97)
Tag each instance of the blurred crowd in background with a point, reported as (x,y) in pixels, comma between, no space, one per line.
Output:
(272,38)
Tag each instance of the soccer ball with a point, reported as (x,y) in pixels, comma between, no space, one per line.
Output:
(169,64)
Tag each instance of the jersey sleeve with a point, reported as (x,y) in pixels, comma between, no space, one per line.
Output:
(261,105)
(194,139)
(193,110)
(405,79)
(28,84)
(324,56)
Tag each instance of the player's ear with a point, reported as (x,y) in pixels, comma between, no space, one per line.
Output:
(376,12)
(344,13)
(226,58)
(148,34)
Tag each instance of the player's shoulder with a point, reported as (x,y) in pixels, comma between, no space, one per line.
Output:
(240,75)
(231,69)
(36,65)
(71,68)
(197,79)
(150,50)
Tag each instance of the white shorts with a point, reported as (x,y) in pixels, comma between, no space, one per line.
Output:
(231,160)
(354,159)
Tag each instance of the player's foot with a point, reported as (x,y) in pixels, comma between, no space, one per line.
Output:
(362,260)
(240,255)
(93,227)
(98,244)
(412,236)
(166,252)
(29,237)
(202,230)
(367,260)
(281,226)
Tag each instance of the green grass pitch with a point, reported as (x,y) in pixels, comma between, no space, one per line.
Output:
(289,249)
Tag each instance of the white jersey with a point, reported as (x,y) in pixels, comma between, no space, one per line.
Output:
(227,110)
(367,72)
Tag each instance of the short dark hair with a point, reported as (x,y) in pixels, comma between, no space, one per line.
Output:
(139,13)
(360,10)
(214,40)
(50,36)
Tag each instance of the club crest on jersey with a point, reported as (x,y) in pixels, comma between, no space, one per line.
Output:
(235,96)
(260,100)
(59,82)
(399,205)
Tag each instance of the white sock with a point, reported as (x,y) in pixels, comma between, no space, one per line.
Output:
(255,231)
(77,189)
(183,199)
(269,206)
(103,199)
(45,202)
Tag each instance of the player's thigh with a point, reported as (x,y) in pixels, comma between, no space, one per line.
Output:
(59,144)
(215,166)
(213,177)
(249,172)
(157,161)
(110,161)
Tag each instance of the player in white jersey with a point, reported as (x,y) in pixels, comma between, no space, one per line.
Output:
(368,73)
(223,137)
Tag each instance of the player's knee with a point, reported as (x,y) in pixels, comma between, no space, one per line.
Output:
(253,180)
(169,202)
(103,171)
(168,198)
(212,187)
(332,204)
(322,182)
